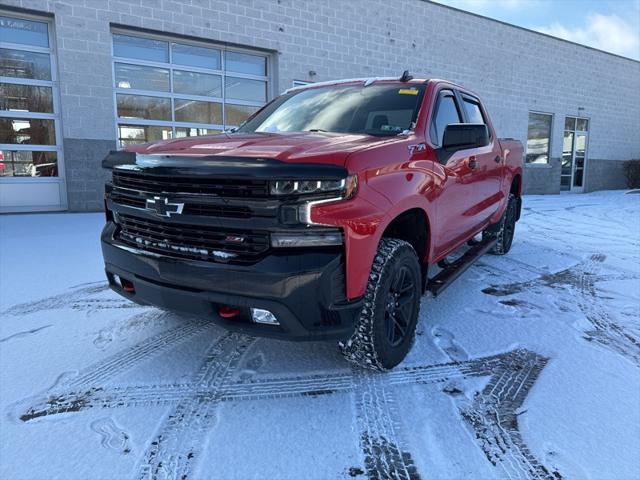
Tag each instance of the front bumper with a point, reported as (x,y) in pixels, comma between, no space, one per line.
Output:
(305,290)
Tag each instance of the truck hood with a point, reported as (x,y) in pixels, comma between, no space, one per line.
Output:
(304,147)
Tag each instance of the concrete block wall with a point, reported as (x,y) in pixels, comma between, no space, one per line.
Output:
(540,179)
(514,70)
(605,175)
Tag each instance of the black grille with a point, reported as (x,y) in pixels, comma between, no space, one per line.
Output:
(197,242)
(191,185)
(190,208)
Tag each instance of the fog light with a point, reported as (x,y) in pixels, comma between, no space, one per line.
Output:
(263,316)
(287,240)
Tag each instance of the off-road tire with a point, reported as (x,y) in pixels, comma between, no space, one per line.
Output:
(504,229)
(369,345)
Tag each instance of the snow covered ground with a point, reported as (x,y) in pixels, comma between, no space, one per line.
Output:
(527,367)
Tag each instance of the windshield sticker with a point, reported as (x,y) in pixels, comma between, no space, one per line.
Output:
(408,91)
(390,128)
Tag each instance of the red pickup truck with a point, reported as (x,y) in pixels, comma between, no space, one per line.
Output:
(326,215)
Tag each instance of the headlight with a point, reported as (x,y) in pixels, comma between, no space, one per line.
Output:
(345,188)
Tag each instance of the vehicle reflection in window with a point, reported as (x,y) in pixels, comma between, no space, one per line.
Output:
(28,164)
(27,131)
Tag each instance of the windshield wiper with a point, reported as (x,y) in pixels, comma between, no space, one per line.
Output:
(317,130)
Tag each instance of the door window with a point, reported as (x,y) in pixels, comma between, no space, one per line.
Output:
(446,112)
(473,111)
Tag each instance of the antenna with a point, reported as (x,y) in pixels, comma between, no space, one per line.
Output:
(406,76)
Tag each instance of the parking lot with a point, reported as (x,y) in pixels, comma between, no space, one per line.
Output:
(527,367)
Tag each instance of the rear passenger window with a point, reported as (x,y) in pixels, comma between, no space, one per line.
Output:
(473,111)
(446,113)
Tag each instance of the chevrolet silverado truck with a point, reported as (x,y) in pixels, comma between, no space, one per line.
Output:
(325,216)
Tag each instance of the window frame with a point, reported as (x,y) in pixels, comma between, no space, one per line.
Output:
(55,116)
(434,112)
(172,96)
(465,97)
(551,127)
(576,118)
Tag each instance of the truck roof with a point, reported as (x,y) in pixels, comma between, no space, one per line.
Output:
(365,80)
(370,80)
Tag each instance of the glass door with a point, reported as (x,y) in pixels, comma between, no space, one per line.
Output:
(567,161)
(579,161)
(574,154)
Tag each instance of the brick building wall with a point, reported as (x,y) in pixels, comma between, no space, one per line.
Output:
(514,70)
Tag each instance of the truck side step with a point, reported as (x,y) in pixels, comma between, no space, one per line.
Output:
(454,269)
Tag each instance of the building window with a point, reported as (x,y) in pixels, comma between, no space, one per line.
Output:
(539,137)
(29,143)
(169,89)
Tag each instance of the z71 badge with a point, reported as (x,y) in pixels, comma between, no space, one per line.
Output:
(417,147)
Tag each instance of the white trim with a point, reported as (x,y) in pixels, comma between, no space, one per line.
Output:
(30,180)
(170,38)
(27,81)
(142,93)
(27,48)
(39,208)
(183,96)
(166,123)
(23,114)
(188,68)
(19,147)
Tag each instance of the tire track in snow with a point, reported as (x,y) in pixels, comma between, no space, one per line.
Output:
(176,449)
(81,297)
(182,437)
(386,454)
(72,393)
(153,346)
(581,279)
(607,332)
(493,417)
(98,396)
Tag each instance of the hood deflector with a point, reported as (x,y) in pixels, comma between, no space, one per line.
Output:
(230,167)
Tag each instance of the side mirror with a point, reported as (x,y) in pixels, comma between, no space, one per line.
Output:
(459,136)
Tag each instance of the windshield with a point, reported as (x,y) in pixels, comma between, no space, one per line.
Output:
(379,110)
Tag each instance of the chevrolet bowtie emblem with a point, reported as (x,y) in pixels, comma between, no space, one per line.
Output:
(162,207)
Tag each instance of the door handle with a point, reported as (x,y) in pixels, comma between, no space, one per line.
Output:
(473,163)
(497,159)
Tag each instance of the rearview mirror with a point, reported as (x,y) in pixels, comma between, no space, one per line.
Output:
(459,136)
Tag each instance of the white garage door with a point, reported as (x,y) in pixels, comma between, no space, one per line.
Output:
(31,163)
(170,88)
